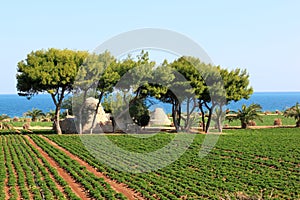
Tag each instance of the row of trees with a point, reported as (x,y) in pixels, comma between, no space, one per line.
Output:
(186,81)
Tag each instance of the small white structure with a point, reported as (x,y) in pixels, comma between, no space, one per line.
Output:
(101,117)
(159,117)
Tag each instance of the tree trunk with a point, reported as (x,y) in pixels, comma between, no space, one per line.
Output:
(178,110)
(219,124)
(58,102)
(56,121)
(96,112)
(219,119)
(210,110)
(208,120)
(244,125)
(186,126)
(113,123)
(189,113)
(80,112)
(202,116)
(174,116)
(298,124)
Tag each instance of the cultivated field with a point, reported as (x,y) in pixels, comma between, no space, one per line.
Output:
(244,164)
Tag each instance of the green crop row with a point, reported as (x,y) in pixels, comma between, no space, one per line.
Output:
(2,172)
(53,172)
(257,163)
(28,174)
(96,187)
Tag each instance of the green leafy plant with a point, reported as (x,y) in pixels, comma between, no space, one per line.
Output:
(139,112)
(246,114)
(294,112)
(35,114)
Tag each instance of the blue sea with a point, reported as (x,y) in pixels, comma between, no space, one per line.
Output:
(14,105)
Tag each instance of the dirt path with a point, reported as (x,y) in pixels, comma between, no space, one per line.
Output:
(76,188)
(6,189)
(118,187)
(59,187)
(17,179)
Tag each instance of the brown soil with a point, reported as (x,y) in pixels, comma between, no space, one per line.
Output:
(59,187)
(16,186)
(6,188)
(29,189)
(76,188)
(118,187)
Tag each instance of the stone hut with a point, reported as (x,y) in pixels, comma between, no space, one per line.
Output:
(159,117)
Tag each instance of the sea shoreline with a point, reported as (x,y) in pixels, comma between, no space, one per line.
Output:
(15,106)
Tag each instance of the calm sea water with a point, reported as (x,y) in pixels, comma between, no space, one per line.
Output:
(14,105)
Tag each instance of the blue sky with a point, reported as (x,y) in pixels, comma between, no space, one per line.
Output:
(261,36)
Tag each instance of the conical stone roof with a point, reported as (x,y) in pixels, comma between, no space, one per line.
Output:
(159,117)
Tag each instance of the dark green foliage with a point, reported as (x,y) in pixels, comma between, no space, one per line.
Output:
(139,112)
(52,71)
(144,120)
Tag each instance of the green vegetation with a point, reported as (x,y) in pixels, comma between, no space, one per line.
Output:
(35,114)
(268,120)
(246,114)
(30,175)
(40,124)
(52,71)
(253,163)
(187,79)
(212,86)
(294,112)
(96,187)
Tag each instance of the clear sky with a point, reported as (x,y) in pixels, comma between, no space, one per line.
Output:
(262,36)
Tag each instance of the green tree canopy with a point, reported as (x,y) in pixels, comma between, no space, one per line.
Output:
(52,71)
(95,78)
(213,86)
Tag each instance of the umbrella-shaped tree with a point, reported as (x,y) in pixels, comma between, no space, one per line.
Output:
(52,71)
